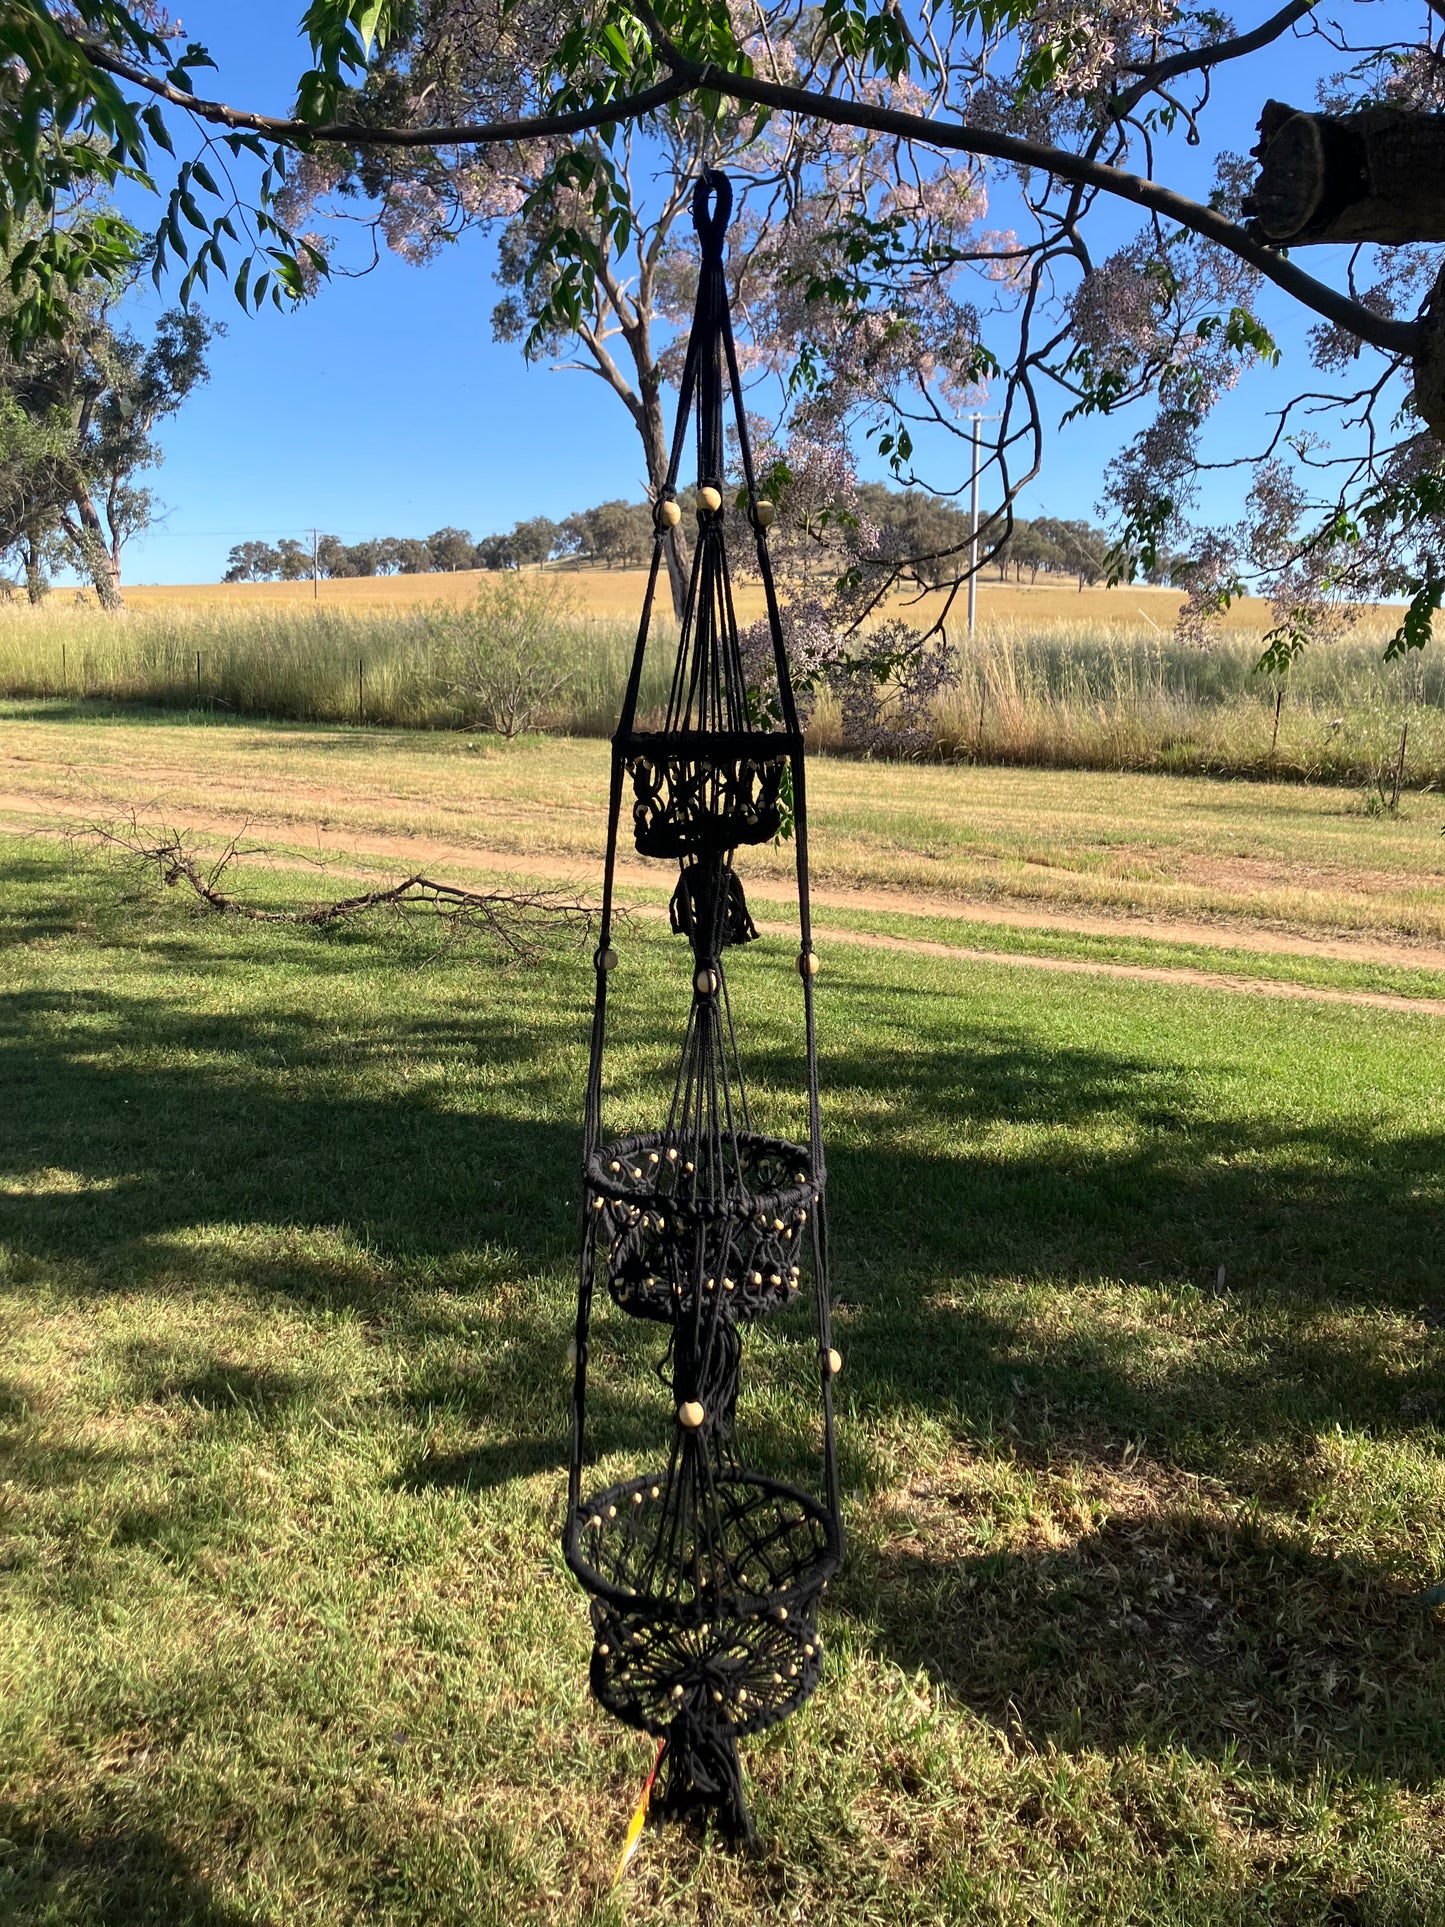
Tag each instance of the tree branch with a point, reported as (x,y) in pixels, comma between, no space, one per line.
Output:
(517,918)
(687,76)
(1191,59)
(304,134)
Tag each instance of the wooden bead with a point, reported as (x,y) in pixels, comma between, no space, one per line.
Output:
(690,1414)
(710,498)
(835,1363)
(668,514)
(607,959)
(764,515)
(706,983)
(808,963)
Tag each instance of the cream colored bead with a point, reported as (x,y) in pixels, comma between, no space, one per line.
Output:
(764,515)
(690,1414)
(808,963)
(835,1363)
(710,498)
(706,983)
(669,514)
(607,959)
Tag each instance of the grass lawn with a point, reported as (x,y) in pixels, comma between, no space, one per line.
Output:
(1131,1627)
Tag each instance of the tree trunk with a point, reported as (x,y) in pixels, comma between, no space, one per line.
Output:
(654,441)
(1375,175)
(89,539)
(36,586)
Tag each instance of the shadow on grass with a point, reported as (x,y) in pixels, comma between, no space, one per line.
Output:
(119,1875)
(181,1126)
(1169,1625)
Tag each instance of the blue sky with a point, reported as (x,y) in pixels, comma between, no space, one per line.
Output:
(384,407)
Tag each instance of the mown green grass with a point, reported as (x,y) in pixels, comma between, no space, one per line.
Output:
(1296,856)
(1130,1630)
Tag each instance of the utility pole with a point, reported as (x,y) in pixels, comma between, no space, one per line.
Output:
(974,421)
(973,533)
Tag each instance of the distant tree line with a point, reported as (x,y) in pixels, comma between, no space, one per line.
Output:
(935,533)
(612,535)
(618,534)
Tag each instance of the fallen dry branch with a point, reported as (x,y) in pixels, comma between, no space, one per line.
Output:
(518,919)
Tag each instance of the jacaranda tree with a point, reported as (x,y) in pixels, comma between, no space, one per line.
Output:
(948,205)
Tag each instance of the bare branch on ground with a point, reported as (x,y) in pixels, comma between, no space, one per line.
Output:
(518,919)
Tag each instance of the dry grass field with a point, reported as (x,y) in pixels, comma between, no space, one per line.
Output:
(618,592)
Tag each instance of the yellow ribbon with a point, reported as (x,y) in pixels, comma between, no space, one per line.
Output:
(639,1819)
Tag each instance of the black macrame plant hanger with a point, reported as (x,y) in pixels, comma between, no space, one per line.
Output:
(703,1576)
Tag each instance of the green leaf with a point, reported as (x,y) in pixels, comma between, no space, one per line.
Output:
(156,124)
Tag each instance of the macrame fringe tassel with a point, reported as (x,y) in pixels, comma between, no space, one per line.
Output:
(685,911)
(705,1775)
